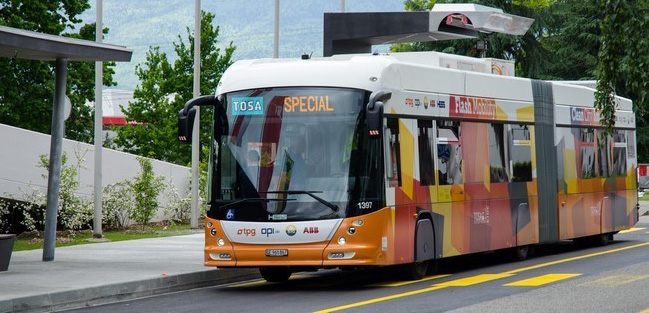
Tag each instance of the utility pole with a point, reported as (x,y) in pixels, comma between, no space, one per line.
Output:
(99,73)
(196,131)
(342,5)
(276,38)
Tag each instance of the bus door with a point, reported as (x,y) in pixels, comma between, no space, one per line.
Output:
(425,183)
(449,176)
(399,143)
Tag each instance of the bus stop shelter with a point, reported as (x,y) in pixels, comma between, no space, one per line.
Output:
(22,44)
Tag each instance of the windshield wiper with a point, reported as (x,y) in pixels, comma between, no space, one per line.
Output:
(309,193)
(251,200)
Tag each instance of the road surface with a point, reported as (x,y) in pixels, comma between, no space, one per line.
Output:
(558,278)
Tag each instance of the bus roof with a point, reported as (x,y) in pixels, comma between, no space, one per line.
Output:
(432,72)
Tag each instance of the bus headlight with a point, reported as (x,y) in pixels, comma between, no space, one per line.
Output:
(342,241)
(341,255)
(351,230)
(213,231)
(220,242)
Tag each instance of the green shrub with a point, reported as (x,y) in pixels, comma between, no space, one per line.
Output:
(178,208)
(118,203)
(74,212)
(146,188)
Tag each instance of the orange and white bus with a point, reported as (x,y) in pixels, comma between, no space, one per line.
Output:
(403,159)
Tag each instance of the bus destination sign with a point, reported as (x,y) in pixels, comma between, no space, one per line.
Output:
(307,104)
(248,106)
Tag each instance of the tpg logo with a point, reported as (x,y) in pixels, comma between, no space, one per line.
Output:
(269,231)
(246,231)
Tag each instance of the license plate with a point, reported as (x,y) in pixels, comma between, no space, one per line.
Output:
(276,252)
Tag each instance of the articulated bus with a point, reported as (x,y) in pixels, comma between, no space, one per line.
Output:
(402,159)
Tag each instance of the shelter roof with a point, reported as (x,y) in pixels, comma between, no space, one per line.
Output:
(24,44)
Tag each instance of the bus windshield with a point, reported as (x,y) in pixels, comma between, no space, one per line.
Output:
(290,154)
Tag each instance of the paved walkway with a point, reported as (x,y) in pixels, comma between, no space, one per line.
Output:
(104,272)
(644,208)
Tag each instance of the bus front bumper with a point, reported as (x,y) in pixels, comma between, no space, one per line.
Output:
(368,245)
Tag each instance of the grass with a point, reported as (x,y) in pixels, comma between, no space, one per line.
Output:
(645,197)
(135,232)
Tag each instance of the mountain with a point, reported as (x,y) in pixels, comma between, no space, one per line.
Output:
(248,24)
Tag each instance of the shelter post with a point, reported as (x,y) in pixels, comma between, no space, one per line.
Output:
(56,146)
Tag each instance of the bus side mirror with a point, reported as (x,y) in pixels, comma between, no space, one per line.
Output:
(187,115)
(374,112)
(374,119)
(186,125)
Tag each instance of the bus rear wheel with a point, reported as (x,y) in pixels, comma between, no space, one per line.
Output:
(602,239)
(275,274)
(521,253)
(595,240)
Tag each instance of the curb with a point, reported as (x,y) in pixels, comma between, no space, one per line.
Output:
(80,298)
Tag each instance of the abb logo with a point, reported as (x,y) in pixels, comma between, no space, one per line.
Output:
(310,230)
(246,231)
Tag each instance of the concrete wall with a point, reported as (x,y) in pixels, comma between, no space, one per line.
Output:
(19,155)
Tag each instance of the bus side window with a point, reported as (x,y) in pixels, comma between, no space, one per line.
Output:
(603,154)
(587,152)
(520,153)
(393,154)
(619,153)
(426,153)
(498,169)
(449,153)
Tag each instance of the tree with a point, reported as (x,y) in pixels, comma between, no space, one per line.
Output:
(605,41)
(163,90)
(623,58)
(574,40)
(27,101)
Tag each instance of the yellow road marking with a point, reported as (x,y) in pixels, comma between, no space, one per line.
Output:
(615,280)
(608,281)
(371,301)
(541,280)
(252,283)
(473,280)
(631,229)
(645,311)
(403,283)
(575,258)
(437,287)
(263,282)
(468,281)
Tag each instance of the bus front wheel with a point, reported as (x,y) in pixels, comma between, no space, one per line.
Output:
(415,270)
(275,274)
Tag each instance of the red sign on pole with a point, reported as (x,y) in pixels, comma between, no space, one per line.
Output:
(642,169)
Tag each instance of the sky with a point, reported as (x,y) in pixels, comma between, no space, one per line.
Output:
(247,24)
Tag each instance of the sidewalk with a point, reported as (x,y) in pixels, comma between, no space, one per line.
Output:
(106,272)
(644,207)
